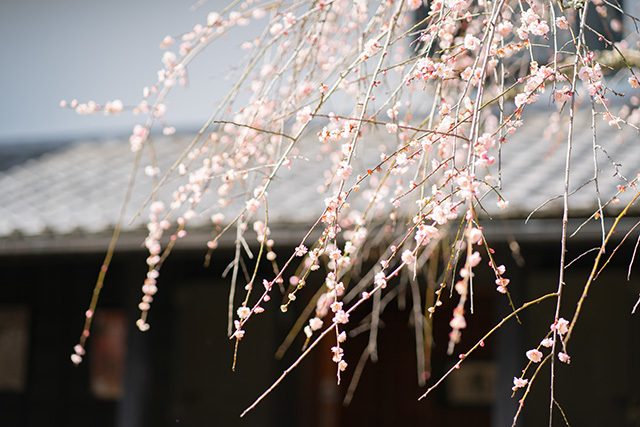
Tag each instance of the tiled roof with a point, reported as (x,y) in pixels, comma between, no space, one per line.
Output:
(75,191)
(534,165)
(77,188)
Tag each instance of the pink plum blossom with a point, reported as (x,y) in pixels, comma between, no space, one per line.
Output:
(534,355)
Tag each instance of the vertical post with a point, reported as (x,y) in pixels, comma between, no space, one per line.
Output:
(508,356)
(329,406)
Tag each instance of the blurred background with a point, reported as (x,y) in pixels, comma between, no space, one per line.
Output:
(62,180)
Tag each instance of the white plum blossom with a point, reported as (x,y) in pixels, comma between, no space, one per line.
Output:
(564,357)
(561,326)
(370,49)
(392,127)
(471,42)
(138,137)
(547,342)
(304,115)
(425,233)
(534,355)
(380,279)
(519,383)
(315,323)
(408,257)
(475,236)
(341,316)
(562,23)
(474,259)
(300,250)
(243,312)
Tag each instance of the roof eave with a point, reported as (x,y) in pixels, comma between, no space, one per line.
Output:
(496,231)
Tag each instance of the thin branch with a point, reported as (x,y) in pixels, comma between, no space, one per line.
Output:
(480,343)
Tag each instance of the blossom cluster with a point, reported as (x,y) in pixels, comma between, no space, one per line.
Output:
(401,125)
(560,328)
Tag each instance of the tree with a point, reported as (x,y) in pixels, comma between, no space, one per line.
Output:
(406,118)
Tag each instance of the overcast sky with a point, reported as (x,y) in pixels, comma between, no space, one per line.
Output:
(97,50)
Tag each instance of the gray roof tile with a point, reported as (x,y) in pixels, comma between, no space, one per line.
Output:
(79,187)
